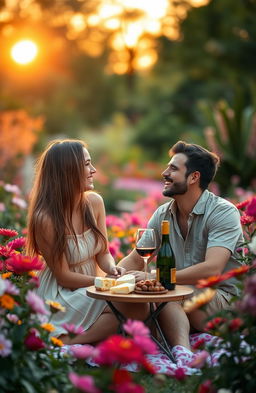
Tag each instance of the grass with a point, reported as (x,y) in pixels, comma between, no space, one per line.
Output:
(166,384)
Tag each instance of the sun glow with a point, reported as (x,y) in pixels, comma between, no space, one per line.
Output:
(24,52)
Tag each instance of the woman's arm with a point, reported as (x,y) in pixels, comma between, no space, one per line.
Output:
(104,259)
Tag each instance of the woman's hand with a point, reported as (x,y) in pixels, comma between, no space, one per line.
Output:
(139,275)
(117,271)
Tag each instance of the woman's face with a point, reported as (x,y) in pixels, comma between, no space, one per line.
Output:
(89,171)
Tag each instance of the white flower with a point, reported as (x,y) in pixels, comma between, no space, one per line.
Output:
(252,245)
(2,286)
(222,390)
(19,202)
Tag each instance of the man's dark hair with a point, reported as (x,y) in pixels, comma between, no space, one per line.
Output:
(199,159)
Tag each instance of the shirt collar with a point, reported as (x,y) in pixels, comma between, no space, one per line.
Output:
(199,207)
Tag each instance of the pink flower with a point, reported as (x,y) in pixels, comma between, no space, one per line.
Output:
(72,329)
(19,263)
(12,188)
(12,318)
(16,243)
(251,208)
(146,344)
(8,232)
(243,204)
(199,359)
(129,387)
(36,303)
(34,281)
(11,288)
(19,202)
(33,342)
(82,352)
(84,383)
(136,328)
(2,207)
(6,251)
(5,346)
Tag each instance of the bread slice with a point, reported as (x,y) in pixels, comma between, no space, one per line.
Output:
(124,288)
(104,283)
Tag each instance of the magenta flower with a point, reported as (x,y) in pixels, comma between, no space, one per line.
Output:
(82,352)
(36,303)
(251,208)
(33,342)
(136,328)
(84,383)
(6,251)
(5,346)
(16,243)
(180,374)
(72,329)
(19,263)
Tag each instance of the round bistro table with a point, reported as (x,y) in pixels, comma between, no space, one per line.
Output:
(157,303)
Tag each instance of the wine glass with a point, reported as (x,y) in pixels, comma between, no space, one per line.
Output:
(145,244)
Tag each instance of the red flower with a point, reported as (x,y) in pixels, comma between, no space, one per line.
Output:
(8,232)
(214,323)
(251,208)
(118,349)
(199,344)
(33,342)
(246,220)
(121,376)
(235,324)
(214,280)
(6,251)
(206,387)
(242,204)
(238,271)
(19,263)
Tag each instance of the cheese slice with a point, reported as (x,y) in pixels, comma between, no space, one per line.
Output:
(126,279)
(124,288)
(104,283)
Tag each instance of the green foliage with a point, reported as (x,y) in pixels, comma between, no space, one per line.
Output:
(232,135)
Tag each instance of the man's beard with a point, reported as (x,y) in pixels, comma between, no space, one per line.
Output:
(176,189)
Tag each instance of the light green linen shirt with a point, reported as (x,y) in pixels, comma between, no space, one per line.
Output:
(213,222)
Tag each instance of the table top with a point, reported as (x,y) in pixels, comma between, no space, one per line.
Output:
(181,292)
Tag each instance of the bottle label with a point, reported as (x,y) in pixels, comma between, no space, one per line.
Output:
(173,275)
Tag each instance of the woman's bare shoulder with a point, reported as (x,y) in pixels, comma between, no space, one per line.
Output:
(94,198)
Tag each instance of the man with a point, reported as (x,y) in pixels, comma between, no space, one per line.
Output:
(205,232)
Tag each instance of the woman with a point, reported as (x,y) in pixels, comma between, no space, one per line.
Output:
(66,225)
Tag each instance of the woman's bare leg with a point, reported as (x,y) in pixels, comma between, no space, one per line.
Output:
(102,328)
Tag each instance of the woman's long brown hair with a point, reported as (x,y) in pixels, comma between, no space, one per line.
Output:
(59,178)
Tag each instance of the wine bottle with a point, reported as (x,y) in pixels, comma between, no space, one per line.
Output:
(165,263)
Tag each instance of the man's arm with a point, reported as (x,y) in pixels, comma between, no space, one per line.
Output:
(216,259)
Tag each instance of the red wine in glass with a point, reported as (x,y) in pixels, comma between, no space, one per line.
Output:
(145,244)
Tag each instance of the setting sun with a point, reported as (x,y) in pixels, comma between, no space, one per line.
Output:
(24,52)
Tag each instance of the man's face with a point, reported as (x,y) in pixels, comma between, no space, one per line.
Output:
(175,176)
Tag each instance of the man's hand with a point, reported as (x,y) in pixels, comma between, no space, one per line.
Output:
(139,275)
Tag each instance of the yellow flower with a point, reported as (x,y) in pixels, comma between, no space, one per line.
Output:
(55,306)
(199,300)
(32,273)
(6,275)
(48,327)
(57,342)
(7,301)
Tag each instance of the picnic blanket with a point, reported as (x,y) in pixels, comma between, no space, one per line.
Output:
(163,365)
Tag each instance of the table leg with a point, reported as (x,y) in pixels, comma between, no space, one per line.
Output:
(152,317)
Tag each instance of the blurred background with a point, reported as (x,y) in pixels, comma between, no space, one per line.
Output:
(129,77)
